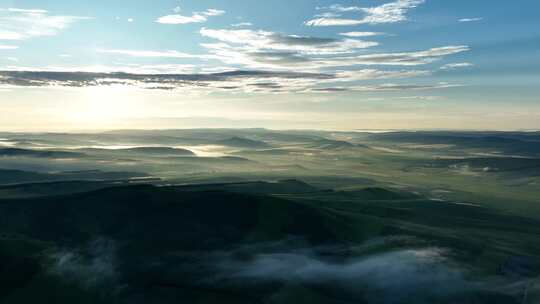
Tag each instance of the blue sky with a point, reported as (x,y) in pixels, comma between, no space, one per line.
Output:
(364,64)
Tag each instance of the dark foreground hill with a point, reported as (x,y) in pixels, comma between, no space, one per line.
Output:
(192,244)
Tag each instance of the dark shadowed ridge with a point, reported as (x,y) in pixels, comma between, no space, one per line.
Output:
(14,152)
(20,176)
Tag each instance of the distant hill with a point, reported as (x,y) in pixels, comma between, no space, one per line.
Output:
(240,142)
(507,142)
(331,144)
(18,176)
(277,151)
(149,151)
(158,151)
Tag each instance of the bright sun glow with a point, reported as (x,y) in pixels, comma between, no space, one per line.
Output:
(104,106)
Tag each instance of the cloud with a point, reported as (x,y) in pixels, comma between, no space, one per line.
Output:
(340,8)
(398,274)
(370,74)
(25,11)
(213,12)
(282,54)
(197,17)
(250,81)
(421,98)
(154,54)
(260,49)
(264,41)
(453,66)
(8,47)
(471,19)
(20,24)
(270,58)
(327,21)
(94,266)
(327,15)
(102,69)
(419,275)
(393,59)
(10,35)
(387,13)
(179,19)
(230,81)
(388,87)
(242,24)
(265,49)
(361,34)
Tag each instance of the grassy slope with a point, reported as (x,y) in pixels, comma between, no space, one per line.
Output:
(155,224)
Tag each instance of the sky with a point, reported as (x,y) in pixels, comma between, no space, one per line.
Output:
(303,64)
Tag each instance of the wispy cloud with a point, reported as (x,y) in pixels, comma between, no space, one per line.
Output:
(247,81)
(242,24)
(386,87)
(264,40)
(471,19)
(361,34)
(19,24)
(231,81)
(420,275)
(263,49)
(370,74)
(10,35)
(25,11)
(421,98)
(327,21)
(253,61)
(340,8)
(397,59)
(96,269)
(453,66)
(387,13)
(8,47)
(153,54)
(138,69)
(197,17)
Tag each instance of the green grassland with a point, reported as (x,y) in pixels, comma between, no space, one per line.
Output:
(160,235)
(261,216)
